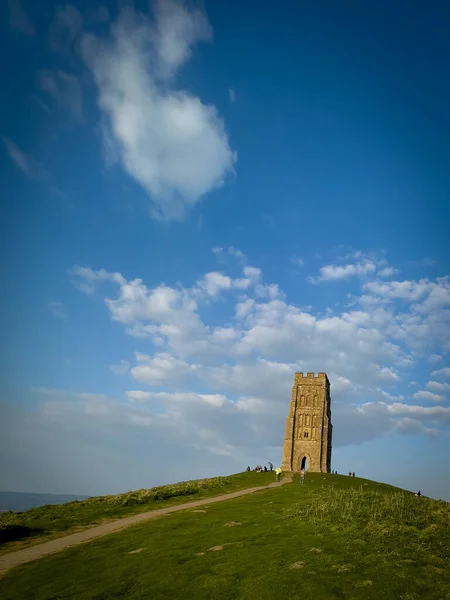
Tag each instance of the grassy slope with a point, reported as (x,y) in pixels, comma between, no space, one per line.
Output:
(355,539)
(20,530)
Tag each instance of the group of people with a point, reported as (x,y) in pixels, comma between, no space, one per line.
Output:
(350,474)
(260,469)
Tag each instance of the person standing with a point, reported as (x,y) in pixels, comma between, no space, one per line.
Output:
(271,466)
(302,476)
(277,473)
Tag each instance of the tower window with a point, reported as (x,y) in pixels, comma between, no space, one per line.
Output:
(305,434)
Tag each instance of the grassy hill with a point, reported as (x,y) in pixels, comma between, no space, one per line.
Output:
(334,537)
(19,530)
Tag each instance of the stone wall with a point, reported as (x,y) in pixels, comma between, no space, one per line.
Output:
(308,424)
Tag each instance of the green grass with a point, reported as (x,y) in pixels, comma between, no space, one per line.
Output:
(351,538)
(19,530)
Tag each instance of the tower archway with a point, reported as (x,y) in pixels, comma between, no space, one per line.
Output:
(304,463)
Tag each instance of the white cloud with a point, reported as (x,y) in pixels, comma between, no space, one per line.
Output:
(358,346)
(424,413)
(121,368)
(252,405)
(232,95)
(24,162)
(263,379)
(423,316)
(222,254)
(412,291)
(434,358)
(429,396)
(180,398)
(138,395)
(57,310)
(423,262)
(387,272)
(337,272)
(244,367)
(213,283)
(171,143)
(436,386)
(65,91)
(297,261)
(215,385)
(387,374)
(177,30)
(243,309)
(271,290)
(218,251)
(363,265)
(114,443)
(445,372)
(19,18)
(238,254)
(85,278)
(161,369)
(252,273)
(389,397)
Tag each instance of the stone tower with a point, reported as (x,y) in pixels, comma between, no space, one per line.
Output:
(308,425)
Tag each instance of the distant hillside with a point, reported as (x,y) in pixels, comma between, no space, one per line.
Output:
(21,501)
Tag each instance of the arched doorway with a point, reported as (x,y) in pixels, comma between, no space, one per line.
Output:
(304,464)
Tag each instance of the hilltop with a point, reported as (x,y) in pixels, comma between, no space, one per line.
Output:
(334,537)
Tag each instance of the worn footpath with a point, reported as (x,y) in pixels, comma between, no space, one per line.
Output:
(14,559)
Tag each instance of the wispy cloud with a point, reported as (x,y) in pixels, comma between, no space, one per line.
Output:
(65,28)
(26,163)
(19,18)
(222,254)
(429,396)
(387,272)
(337,272)
(120,369)
(62,196)
(297,261)
(65,90)
(232,95)
(426,261)
(57,310)
(171,143)
(445,372)
(363,264)
(97,14)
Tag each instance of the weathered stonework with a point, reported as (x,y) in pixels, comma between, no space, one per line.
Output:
(308,425)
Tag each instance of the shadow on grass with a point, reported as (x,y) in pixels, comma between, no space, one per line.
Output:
(13,533)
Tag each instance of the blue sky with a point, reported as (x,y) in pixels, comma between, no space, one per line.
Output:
(199,201)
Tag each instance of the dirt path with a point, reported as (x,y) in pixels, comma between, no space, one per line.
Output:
(14,559)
